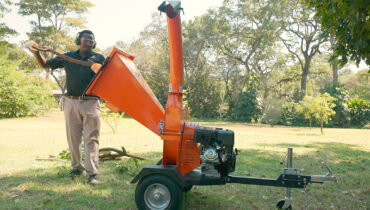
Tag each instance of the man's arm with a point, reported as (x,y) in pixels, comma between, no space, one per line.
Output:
(56,62)
(33,48)
(40,59)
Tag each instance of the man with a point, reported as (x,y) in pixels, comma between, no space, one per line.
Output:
(82,112)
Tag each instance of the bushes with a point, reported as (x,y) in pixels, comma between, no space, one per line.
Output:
(22,94)
(273,112)
(246,107)
(322,108)
(341,117)
(290,115)
(359,110)
(204,97)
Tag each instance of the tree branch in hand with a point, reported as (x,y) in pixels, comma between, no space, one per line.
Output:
(34,48)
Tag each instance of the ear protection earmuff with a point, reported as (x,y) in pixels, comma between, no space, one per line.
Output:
(79,34)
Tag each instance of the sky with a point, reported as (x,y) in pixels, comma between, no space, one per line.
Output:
(115,20)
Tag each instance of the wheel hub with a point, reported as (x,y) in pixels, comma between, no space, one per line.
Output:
(157,196)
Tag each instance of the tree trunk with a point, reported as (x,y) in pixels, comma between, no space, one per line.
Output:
(334,65)
(305,71)
(304,81)
(322,125)
(310,122)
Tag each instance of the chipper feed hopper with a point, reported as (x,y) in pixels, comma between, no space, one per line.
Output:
(192,155)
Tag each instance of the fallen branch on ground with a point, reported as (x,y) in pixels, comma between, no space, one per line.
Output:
(113,154)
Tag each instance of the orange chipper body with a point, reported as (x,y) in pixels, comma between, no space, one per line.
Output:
(120,83)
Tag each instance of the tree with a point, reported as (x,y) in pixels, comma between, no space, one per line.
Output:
(359,111)
(340,93)
(242,36)
(54,18)
(323,108)
(306,107)
(333,61)
(349,22)
(358,84)
(246,107)
(302,37)
(5,31)
(201,77)
(151,51)
(26,62)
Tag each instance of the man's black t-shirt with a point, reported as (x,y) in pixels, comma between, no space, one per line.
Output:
(78,77)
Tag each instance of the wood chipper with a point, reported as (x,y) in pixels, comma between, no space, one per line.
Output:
(192,155)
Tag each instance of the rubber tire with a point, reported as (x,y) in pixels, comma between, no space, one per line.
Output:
(159,162)
(175,191)
(280,204)
(187,188)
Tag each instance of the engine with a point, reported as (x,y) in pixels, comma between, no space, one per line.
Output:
(216,150)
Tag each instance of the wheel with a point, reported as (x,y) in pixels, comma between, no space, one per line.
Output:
(280,205)
(187,188)
(158,192)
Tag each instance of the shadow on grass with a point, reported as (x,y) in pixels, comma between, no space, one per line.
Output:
(50,188)
(338,151)
(45,189)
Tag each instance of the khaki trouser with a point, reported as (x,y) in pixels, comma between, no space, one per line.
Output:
(83,120)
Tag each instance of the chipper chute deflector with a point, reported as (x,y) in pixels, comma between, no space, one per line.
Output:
(192,155)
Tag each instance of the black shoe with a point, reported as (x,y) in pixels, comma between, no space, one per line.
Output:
(92,179)
(75,172)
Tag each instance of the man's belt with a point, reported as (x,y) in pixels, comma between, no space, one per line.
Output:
(82,97)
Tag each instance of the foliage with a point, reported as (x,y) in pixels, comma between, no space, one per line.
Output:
(22,94)
(25,61)
(241,37)
(246,31)
(110,118)
(341,117)
(54,19)
(358,84)
(246,107)
(204,97)
(302,37)
(127,168)
(151,50)
(290,115)
(359,111)
(204,88)
(65,155)
(62,170)
(306,107)
(228,46)
(225,47)
(363,88)
(121,168)
(5,31)
(349,22)
(318,108)
(323,108)
(272,113)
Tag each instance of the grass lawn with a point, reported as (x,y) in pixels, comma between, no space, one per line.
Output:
(26,183)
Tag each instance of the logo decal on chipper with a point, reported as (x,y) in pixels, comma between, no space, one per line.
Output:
(160,126)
